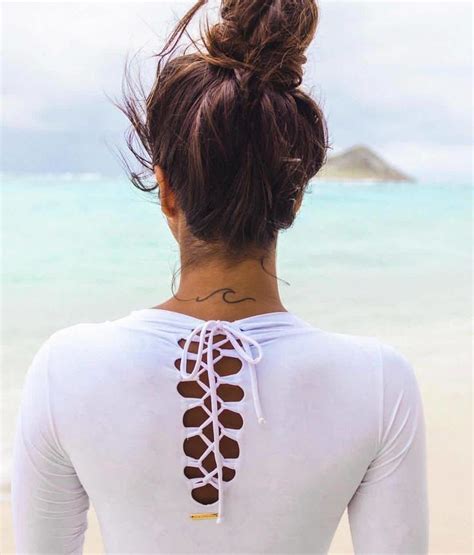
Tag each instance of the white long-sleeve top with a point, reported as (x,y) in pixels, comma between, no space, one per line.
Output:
(327,421)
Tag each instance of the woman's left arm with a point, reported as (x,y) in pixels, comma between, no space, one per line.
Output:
(49,503)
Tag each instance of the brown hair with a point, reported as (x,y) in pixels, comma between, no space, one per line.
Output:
(229,124)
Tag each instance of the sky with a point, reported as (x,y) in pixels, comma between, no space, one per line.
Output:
(393,75)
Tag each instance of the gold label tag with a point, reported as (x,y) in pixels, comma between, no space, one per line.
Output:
(200,516)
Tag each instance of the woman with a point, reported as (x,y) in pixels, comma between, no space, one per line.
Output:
(219,405)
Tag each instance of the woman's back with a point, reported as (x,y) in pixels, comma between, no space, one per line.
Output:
(109,416)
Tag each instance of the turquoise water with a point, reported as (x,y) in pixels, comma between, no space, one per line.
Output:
(392,260)
(90,248)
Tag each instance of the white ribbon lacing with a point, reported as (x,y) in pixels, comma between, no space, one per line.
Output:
(232,333)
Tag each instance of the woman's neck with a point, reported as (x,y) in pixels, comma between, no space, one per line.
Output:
(216,289)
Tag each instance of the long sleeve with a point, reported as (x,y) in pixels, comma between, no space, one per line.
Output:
(389,511)
(49,503)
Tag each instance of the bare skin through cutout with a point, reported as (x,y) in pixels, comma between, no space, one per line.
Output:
(195,446)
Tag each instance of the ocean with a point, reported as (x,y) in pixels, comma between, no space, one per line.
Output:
(389,259)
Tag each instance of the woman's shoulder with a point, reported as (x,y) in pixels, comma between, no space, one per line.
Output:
(392,373)
(85,341)
(114,338)
(78,335)
(363,353)
(87,334)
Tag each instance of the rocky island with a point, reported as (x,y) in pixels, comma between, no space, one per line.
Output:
(360,163)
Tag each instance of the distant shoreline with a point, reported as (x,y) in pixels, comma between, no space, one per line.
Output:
(360,163)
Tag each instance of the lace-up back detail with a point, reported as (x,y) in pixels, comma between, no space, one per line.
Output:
(214,356)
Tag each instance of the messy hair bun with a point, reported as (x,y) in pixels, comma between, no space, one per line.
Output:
(263,41)
(238,138)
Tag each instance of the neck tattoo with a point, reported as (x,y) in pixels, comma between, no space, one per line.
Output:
(225,292)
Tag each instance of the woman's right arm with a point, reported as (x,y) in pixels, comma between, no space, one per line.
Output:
(49,504)
(389,511)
